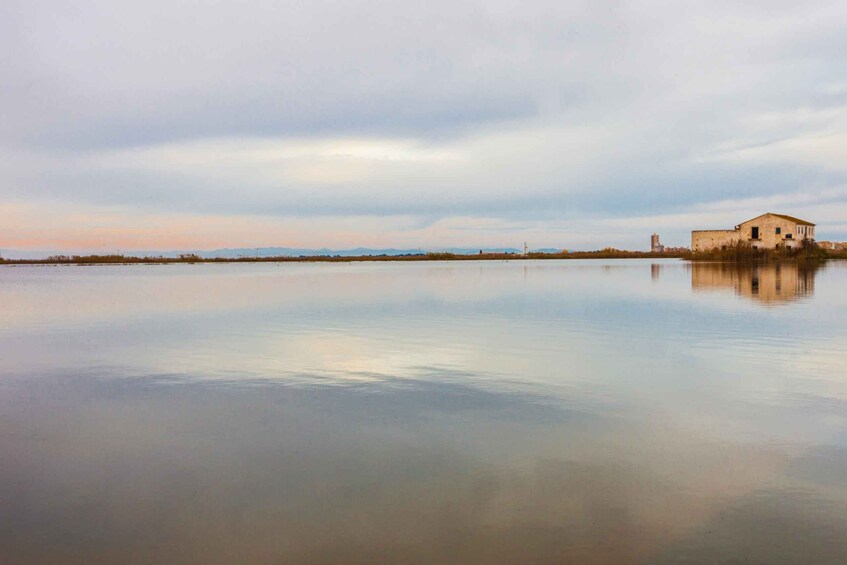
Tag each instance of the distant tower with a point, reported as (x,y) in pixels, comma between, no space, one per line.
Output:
(525,251)
(655,246)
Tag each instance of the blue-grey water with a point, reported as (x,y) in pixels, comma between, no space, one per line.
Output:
(471,412)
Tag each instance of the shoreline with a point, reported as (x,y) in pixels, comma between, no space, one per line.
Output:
(131,260)
(578,255)
(819,255)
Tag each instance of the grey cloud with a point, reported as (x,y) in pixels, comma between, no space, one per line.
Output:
(666,83)
(114,74)
(618,193)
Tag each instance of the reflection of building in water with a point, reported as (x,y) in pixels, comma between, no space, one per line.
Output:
(655,269)
(768,283)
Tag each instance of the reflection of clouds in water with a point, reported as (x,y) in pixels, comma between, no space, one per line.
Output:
(431,471)
(764,527)
(471,412)
(823,359)
(73,297)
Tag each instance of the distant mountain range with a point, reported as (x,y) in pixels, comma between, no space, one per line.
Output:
(274,252)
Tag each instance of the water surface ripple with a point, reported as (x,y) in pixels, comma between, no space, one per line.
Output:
(480,412)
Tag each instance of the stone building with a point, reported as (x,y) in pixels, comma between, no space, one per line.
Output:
(768,231)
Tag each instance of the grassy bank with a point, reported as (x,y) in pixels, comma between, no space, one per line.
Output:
(744,252)
(132,260)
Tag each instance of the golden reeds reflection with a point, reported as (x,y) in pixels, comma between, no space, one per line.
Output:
(771,283)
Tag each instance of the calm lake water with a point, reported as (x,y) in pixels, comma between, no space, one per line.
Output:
(479,412)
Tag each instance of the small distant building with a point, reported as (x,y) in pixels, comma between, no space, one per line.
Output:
(655,245)
(768,231)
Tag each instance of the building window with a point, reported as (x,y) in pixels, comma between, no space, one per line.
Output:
(788,235)
(778,231)
(755,234)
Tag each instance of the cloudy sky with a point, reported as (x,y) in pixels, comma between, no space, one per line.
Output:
(198,125)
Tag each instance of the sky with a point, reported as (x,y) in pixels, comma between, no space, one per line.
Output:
(566,124)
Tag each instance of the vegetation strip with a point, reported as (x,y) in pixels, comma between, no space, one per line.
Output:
(741,253)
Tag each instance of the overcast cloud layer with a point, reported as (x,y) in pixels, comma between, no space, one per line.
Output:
(422,124)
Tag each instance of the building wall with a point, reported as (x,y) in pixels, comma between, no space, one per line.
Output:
(706,240)
(768,238)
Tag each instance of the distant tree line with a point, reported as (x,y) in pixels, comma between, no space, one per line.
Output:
(743,252)
(115,259)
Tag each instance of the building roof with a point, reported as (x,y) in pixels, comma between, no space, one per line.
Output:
(784,217)
(792,219)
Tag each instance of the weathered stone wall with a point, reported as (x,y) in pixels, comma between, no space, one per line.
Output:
(768,238)
(773,232)
(706,240)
